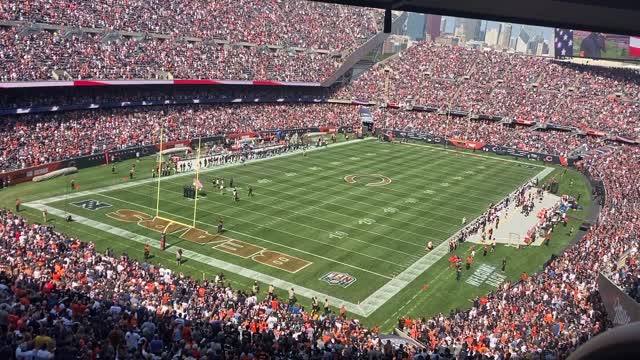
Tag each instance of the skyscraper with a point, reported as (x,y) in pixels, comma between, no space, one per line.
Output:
(491,37)
(522,42)
(416,26)
(471,29)
(433,26)
(532,47)
(505,36)
(542,48)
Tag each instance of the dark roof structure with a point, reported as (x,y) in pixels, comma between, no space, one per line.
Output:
(609,16)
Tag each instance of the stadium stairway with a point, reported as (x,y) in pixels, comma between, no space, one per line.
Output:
(373,43)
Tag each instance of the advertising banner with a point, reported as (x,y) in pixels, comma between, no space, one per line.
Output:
(473,145)
(477,145)
(83,162)
(126,104)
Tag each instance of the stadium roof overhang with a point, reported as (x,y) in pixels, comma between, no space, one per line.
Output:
(609,16)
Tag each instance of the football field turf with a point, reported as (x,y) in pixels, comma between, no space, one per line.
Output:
(348,223)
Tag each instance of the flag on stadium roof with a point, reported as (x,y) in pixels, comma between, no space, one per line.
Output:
(563,43)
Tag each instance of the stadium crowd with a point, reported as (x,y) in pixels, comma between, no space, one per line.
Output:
(87,56)
(60,298)
(26,55)
(503,84)
(550,313)
(306,24)
(38,139)
(491,132)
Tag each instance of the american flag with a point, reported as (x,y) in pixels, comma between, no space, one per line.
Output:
(563,43)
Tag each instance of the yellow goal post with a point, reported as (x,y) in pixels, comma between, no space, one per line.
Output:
(159,163)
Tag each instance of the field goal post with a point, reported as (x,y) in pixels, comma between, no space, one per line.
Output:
(159,164)
(514,240)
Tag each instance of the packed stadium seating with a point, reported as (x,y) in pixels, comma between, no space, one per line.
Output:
(39,139)
(305,24)
(59,297)
(502,84)
(268,32)
(491,132)
(35,56)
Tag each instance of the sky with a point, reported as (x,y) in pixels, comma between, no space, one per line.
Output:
(547,33)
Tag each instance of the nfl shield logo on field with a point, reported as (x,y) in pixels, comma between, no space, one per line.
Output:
(338,278)
(91,204)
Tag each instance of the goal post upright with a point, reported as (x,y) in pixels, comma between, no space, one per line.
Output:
(159,171)
(195,203)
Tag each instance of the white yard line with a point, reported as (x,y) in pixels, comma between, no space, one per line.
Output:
(472,154)
(215,168)
(217,263)
(372,303)
(393,287)
(271,242)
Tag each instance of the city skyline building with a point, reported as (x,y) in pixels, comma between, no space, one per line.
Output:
(522,43)
(504,37)
(433,26)
(491,37)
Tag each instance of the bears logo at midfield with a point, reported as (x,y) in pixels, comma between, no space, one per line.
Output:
(338,278)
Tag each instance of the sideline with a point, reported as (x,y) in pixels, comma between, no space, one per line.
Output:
(433,146)
(365,308)
(207,260)
(146,181)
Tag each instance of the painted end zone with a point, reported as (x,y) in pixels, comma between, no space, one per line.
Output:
(159,224)
(223,243)
(263,256)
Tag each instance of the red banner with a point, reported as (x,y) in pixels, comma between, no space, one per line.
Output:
(172,144)
(251,134)
(563,160)
(467,144)
(328,129)
(24,175)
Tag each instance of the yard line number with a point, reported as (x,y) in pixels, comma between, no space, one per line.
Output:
(338,235)
(366,221)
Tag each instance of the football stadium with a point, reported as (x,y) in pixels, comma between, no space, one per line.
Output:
(309,180)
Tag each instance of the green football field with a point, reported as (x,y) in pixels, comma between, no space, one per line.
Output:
(349,222)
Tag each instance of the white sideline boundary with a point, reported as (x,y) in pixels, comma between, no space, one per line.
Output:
(207,260)
(434,146)
(402,280)
(365,308)
(146,181)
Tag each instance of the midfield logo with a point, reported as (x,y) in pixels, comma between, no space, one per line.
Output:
(338,278)
(92,205)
